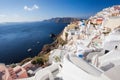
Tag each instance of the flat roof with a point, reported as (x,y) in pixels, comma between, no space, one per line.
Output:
(113,73)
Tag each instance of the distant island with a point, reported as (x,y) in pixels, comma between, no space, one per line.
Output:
(62,20)
(54,20)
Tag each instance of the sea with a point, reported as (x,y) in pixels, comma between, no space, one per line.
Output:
(16,39)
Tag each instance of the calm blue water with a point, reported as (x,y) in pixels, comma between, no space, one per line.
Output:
(17,38)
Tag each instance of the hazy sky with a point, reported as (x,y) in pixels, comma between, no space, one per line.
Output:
(35,10)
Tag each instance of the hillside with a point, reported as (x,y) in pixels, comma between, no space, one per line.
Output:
(62,20)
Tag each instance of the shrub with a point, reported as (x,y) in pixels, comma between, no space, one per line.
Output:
(61,41)
(38,60)
(13,65)
(66,35)
(57,59)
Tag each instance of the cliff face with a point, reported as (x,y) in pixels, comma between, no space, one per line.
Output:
(62,20)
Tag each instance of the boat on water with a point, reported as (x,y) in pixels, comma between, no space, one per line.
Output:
(29,50)
(38,42)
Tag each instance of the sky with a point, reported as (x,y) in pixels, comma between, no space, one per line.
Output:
(37,10)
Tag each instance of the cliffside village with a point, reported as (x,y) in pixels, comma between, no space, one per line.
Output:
(82,37)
